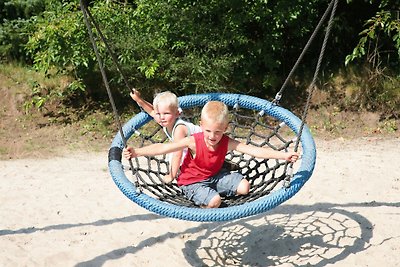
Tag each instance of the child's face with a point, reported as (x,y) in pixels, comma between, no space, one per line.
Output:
(165,115)
(213,131)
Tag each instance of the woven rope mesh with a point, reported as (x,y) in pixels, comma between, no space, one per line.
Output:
(247,126)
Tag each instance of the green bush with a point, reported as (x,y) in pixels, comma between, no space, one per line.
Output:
(193,46)
(14,25)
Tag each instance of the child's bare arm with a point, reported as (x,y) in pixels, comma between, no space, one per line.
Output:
(180,133)
(148,107)
(158,148)
(262,152)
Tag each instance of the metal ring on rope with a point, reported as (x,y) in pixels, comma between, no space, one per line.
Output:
(250,208)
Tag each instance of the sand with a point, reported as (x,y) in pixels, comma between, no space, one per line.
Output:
(66,211)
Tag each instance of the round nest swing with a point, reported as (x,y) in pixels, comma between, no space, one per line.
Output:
(255,121)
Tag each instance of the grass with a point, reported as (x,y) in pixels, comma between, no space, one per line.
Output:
(362,90)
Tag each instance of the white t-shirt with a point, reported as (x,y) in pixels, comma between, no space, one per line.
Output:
(192,128)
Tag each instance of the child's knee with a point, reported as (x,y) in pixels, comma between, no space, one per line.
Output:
(215,202)
(243,187)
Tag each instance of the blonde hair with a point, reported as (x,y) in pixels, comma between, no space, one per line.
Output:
(167,98)
(215,111)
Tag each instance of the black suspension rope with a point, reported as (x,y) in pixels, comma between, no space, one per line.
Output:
(306,47)
(110,51)
(332,9)
(311,87)
(85,12)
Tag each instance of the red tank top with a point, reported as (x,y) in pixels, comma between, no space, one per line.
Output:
(205,164)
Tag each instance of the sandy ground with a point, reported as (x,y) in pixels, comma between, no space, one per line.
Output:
(66,211)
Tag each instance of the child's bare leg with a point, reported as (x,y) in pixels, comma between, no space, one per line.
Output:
(168,178)
(243,187)
(215,202)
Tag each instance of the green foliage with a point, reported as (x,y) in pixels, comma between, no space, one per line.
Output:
(37,99)
(58,41)
(379,46)
(193,46)
(14,26)
(381,32)
(14,9)
(215,45)
(210,46)
(389,126)
(12,40)
(58,44)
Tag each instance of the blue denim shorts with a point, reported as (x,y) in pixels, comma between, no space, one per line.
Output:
(224,184)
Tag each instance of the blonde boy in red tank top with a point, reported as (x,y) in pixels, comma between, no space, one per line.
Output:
(202,178)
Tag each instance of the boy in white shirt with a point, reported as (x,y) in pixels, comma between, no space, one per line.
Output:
(165,111)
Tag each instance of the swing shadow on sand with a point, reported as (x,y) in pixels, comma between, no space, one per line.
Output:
(289,235)
(292,235)
(31,230)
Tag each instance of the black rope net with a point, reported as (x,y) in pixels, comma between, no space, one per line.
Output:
(250,127)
